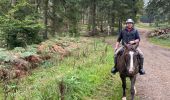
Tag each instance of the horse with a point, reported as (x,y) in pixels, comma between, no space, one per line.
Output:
(128,66)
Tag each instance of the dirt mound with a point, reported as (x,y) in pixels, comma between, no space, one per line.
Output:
(41,48)
(21,61)
(21,64)
(33,59)
(3,74)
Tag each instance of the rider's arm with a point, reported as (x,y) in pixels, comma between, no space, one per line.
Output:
(118,40)
(117,45)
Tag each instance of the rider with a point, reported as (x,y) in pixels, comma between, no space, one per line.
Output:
(129,36)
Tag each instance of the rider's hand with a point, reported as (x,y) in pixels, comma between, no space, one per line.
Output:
(116,49)
(132,42)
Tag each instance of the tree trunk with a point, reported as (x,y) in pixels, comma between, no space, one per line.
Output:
(134,11)
(120,25)
(82,16)
(45,19)
(93,17)
(89,20)
(13,2)
(37,3)
(112,25)
(54,17)
(101,26)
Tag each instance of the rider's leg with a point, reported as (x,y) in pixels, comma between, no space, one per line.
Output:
(114,69)
(141,57)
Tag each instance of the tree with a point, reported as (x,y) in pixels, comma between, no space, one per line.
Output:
(54,17)
(158,10)
(93,16)
(13,2)
(19,27)
(45,19)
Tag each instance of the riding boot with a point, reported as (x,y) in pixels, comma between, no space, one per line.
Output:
(141,70)
(114,69)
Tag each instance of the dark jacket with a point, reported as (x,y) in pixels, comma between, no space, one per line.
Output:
(125,36)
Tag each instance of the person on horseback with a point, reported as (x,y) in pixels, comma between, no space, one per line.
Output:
(129,36)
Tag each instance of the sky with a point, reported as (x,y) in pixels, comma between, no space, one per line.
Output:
(146,1)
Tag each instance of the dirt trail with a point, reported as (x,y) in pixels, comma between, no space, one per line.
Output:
(155,85)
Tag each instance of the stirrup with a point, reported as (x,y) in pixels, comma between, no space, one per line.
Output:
(141,72)
(114,70)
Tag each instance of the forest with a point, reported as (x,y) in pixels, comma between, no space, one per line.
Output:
(63,49)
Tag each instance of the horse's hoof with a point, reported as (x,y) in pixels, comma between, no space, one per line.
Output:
(124,98)
(135,90)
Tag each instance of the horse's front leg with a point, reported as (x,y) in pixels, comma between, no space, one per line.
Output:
(133,89)
(123,78)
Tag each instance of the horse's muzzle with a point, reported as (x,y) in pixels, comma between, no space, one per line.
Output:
(131,72)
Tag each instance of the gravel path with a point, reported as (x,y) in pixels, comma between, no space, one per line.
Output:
(155,85)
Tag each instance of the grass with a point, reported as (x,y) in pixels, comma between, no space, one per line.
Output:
(161,42)
(152,26)
(145,26)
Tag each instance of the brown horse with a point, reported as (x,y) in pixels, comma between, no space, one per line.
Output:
(128,66)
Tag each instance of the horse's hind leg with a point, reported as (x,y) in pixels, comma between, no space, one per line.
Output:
(123,86)
(133,80)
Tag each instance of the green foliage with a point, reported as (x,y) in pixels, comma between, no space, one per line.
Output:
(22,10)
(4,7)
(27,54)
(19,49)
(18,28)
(73,16)
(6,56)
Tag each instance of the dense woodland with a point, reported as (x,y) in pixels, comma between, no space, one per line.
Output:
(58,49)
(158,11)
(24,22)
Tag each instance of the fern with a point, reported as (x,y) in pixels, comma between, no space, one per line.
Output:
(26,54)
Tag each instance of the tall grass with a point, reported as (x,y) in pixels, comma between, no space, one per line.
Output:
(161,42)
(145,26)
(152,26)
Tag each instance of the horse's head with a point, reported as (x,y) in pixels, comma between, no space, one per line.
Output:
(131,58)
